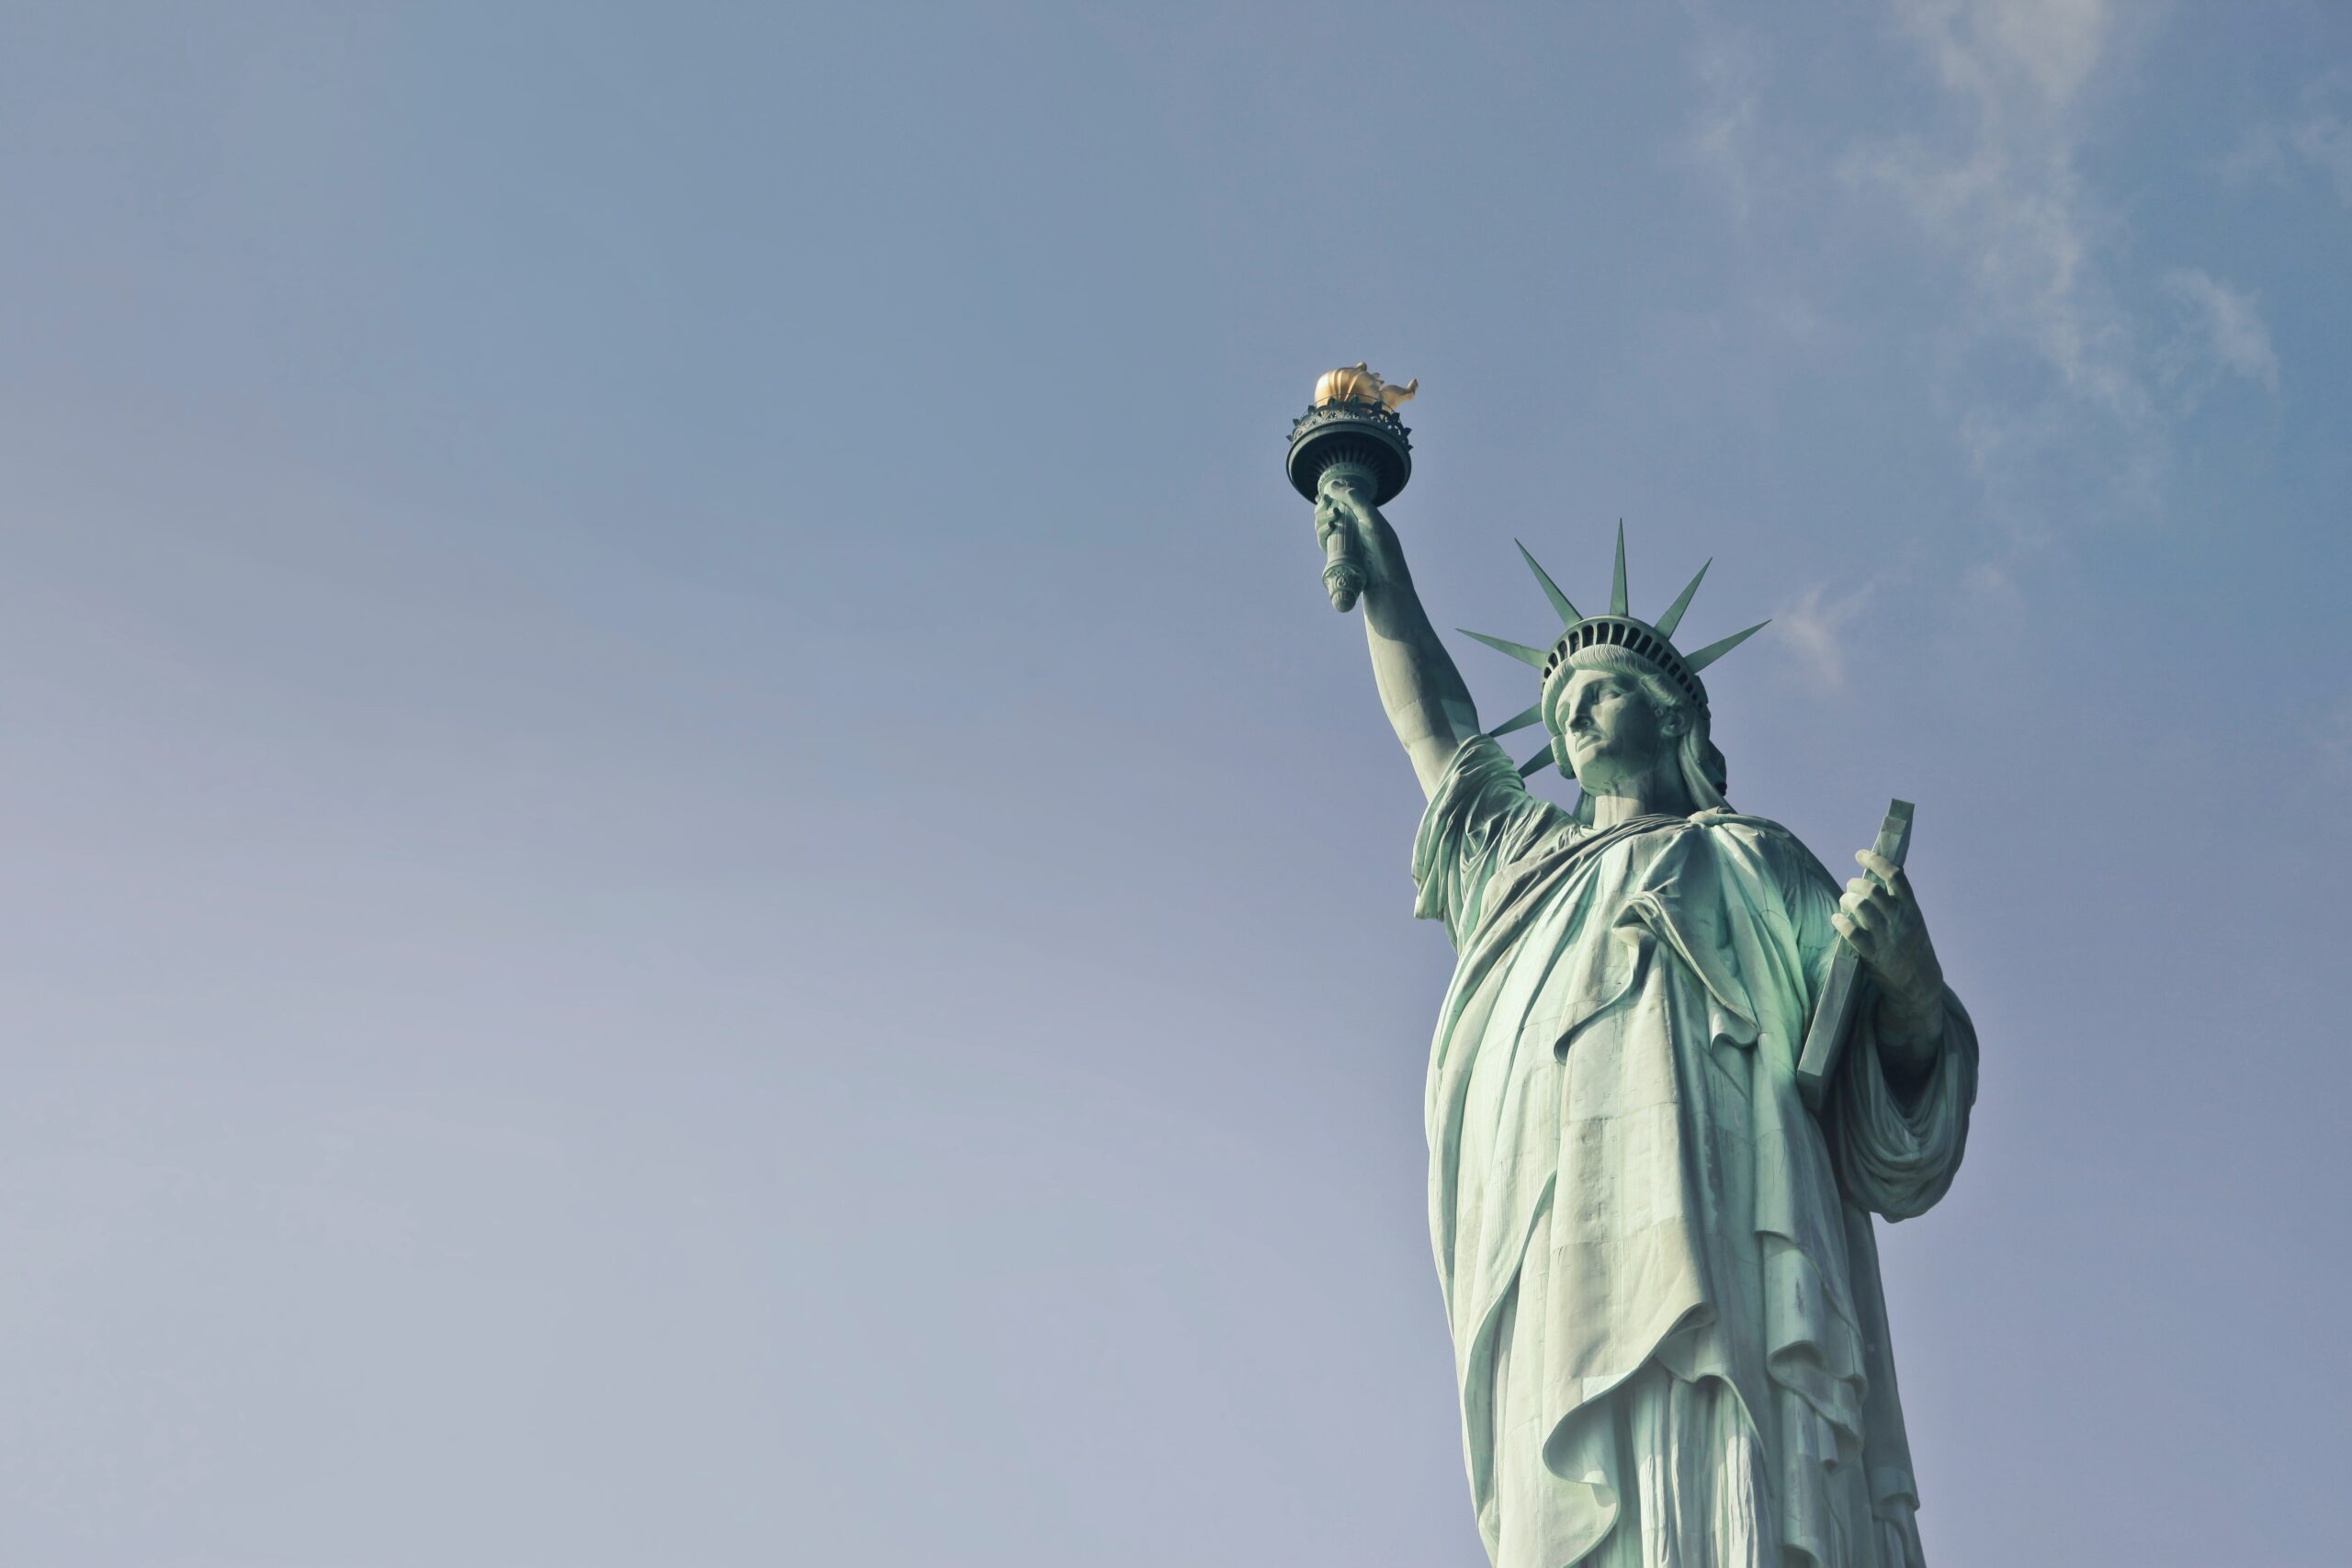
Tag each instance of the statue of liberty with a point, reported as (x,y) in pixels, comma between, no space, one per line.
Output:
(1656,1257)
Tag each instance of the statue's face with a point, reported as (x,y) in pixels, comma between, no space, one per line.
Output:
(1614,732)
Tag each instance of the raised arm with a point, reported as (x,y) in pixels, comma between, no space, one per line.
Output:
(1421,690)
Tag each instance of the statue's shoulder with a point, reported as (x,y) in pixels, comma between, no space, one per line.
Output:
(1782,852)
(1722,818)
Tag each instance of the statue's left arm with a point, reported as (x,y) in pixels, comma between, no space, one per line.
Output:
(1898,1110)
(1879,917)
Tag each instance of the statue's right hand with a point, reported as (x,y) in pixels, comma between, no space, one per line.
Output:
(1330,517)
(1351,531)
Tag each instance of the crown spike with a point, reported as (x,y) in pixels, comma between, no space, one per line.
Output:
(1694,663)
(1617,602)
(1569,614)
(1519,720)
(1673,616)
(1537,762)
(1533,657)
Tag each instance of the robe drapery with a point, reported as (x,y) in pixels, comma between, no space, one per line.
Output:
(1657,1263)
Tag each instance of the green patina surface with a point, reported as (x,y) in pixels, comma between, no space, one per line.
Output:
(1658,1256)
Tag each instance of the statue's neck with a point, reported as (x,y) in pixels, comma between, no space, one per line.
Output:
(1657,793)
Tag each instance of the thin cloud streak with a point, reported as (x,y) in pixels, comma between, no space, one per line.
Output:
(1723,136)
(2227,324)
(2318,138)
(1813,631)
(2006,199)
(2010,201)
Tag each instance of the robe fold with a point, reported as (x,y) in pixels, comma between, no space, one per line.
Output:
(1657,1263)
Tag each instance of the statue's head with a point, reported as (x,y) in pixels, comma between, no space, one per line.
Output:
(1617,722)
(1619,697)
(1613,719)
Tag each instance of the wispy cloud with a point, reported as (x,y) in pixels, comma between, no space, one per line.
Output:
(2006,196)
(2333,739)
(2316,138)
(2226,323)
(2000,192)
(1813,633)
(2325,142)
(1723,136)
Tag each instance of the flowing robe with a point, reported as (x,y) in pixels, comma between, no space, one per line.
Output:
(1657,1263)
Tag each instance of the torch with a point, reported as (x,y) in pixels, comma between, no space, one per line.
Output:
(1351,426)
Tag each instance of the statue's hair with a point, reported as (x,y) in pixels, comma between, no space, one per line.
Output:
(1704,772)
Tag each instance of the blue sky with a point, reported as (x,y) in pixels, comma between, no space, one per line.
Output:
(698,878)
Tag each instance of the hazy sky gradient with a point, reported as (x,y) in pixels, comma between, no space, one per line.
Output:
(698,878)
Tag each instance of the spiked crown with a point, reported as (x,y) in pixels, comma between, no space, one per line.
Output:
(1649,645)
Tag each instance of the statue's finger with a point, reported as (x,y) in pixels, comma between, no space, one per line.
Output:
(1856,938)
(1871,917)
(1882,871)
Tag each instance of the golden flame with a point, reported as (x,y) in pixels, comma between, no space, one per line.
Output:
(1358,383)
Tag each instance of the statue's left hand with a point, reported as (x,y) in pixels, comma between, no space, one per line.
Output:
(1879,917)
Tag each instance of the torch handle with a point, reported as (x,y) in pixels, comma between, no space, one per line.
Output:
(1342,572)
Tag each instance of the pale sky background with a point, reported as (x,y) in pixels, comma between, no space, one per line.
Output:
(694,875)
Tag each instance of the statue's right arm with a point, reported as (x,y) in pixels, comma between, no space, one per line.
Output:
(1421,690)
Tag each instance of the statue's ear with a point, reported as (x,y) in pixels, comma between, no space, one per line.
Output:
(1675,722)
